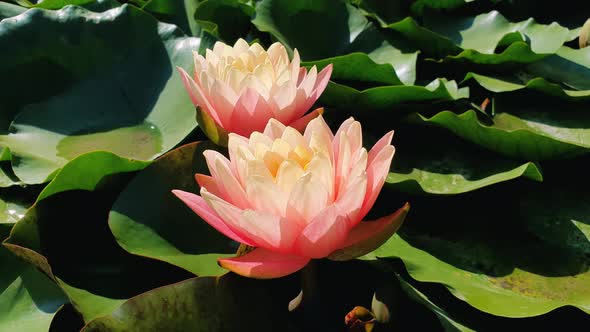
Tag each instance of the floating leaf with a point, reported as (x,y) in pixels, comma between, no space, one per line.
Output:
(108,83)
(202,304)
(360,67)
(515,293)
(449,167)
(569,66)
(162,227)
(292,22)
(94,272)
(446,321)
(537,84)
(386,98)
(28,298)
(477,39)
(228,20)
(534,134)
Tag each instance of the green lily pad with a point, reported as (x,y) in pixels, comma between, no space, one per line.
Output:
(203,304)
(88,170)
(517,293)
(162,227)
(228,20)
(569,66)
(28,298)
(54,4)
(384,12)
(468,33)
(477,39)
(537,84)
(449,167)
(534,134)
(292,22)
(9,10)
(360,67)
(448,323)
(419,6)
(386,98)
(14,203)
(11,212)
(92,270)
(109,83)
(558,215)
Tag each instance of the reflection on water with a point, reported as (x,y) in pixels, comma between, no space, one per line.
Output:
(142,141)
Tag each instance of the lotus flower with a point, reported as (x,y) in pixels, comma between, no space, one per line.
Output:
(296,197)
(240,88)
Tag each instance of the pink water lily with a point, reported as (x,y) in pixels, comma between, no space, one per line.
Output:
(241,87)
(296,197)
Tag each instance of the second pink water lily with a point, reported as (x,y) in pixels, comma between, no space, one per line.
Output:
(296,197)
(241,87)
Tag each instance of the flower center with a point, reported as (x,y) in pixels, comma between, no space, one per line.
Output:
(281,151)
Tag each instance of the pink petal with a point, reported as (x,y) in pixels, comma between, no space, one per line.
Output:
(295,63)
(223,98)
(226,179)
(301,75)
(301,123)
(323,79)
(377,171)
(301,104)
(326,232)
(308,197)
(208,182)
(319,127)
(370,235)
(200,207)
(305,100)
(264,264)
(251,113)
(274,129)
(198,97)
(309,83)
(383,142)
(351,201)
(265,195)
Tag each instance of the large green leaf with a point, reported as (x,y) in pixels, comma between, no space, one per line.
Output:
(108,82)
(448,323)
(486,32)
(391,97)
(162,227)
(28,298)
(9,10)
(227,303)
(292,22)
(359,67)
(225,19)
(65,234)
(559,215)
(420,6)
(496,84)
(448,166)
(478,39)
(518,292)
(533,134)
(14,203)
(88,170)
(568,65)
